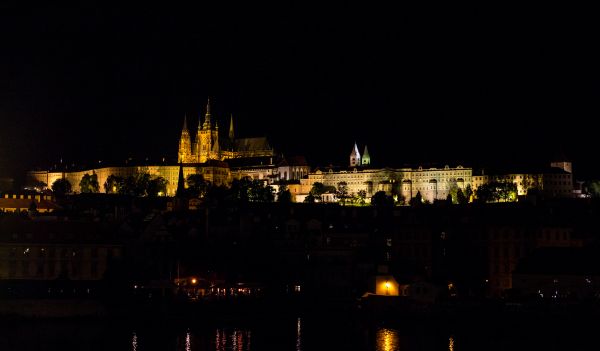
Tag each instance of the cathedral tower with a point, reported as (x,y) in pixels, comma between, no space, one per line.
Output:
(366,158)
(203,139)
(208,139)
(355,156)
(185,145)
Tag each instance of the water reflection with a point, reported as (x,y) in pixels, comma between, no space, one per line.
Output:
(299,334)
(188,343)
(235,339)
(134,342)
(451,344)
(387,339)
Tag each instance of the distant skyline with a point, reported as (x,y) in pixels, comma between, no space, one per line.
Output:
(478,86)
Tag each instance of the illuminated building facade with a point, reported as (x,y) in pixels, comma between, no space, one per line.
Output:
(555,181)
(432,183)
(215,172)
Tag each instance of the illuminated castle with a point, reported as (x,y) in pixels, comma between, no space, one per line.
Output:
(207,145)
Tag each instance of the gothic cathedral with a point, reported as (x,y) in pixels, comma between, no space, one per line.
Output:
(207,146)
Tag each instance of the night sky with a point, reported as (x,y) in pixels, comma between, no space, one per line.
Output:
(479,86)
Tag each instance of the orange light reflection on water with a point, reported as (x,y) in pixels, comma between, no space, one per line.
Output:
(387,339)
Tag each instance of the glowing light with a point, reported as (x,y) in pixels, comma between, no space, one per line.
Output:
(451,344)
(194,280)
(387,287)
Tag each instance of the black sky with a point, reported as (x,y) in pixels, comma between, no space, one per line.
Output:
(479,86)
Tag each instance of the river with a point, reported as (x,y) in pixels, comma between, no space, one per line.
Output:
(294,333)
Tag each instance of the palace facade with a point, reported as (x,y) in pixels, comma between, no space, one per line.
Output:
(432,183)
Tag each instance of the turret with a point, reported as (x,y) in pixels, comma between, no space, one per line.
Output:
(231,133)
(354,156)
(366,158)
(206,124)
(185,144)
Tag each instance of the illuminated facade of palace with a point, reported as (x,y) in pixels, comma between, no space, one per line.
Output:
(554,181)
(207,144)
(432,183)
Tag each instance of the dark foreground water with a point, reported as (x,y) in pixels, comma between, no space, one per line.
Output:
(302,333)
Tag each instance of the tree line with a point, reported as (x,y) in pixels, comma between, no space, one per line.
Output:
(141,184)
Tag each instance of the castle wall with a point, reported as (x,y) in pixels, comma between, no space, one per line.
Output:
(218,175)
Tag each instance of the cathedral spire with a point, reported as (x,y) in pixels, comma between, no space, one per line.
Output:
(207,116)
(185,143)
(355,156)
(366,158)
(231,134)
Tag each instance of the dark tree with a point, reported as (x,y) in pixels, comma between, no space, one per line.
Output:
(197,186)
(157,187)
(240,189)
(309,199)
(468,192)
(461,198)
(319,189)
(89,183)
(380,199)
(342,192)
(258,192)
(496,191)
(248,190)
(141,183)
(485,193)
(417,200)
(113,184)
(61,187)
(283,194)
